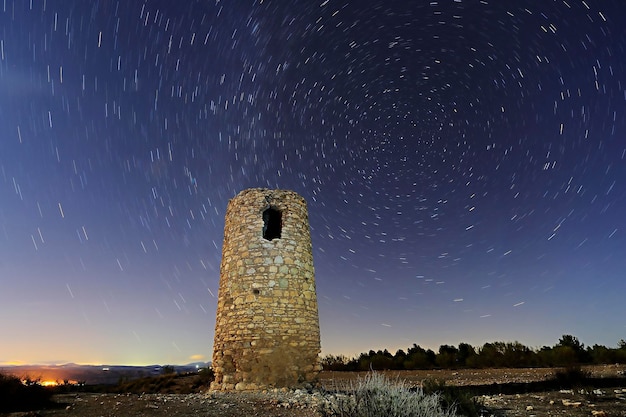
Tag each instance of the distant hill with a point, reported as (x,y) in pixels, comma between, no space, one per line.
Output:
(92,374)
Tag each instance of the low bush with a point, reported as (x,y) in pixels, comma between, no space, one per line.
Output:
(18,396)
(375,395)
(571,377)
(204,378)
(462,400)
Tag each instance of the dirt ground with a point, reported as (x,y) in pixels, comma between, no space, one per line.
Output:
(174,405)
(587,402)
(461,377)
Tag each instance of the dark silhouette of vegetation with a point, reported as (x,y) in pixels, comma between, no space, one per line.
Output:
(453,397)
(571,377)
(168,370)
(567,353)
(17,395)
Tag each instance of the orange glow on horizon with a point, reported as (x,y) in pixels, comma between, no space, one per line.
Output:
(13,363)
(51,383)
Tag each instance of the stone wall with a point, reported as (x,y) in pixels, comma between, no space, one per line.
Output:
(267,325)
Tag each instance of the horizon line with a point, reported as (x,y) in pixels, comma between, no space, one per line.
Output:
(15,364)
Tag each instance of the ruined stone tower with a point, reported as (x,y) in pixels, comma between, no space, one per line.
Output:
(267,325)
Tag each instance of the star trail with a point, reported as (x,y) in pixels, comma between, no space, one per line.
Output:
(464,164)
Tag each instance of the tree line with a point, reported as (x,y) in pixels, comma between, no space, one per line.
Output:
(567,352)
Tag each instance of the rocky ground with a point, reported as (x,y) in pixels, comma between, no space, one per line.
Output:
(179,405)
(584,401)
(600,403)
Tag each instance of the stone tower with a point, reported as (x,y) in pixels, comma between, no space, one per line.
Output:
(267,326)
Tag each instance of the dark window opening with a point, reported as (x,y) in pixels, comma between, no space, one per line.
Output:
(256,291)
(272,223)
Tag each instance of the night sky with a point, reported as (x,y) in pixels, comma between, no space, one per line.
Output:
(464,164)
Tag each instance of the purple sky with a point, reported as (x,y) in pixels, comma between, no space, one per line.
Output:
(464,163)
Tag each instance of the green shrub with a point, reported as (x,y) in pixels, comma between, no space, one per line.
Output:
(376,396)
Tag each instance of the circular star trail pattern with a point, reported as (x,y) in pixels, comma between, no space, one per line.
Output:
(463,161)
